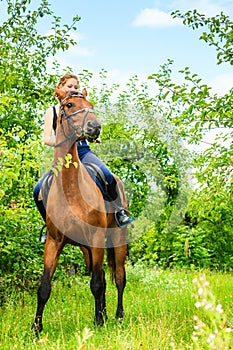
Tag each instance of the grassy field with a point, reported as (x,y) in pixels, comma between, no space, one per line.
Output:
(163,310)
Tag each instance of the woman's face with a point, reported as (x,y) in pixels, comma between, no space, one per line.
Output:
(71,85)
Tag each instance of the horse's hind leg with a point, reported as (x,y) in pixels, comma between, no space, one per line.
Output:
(120,277)
(51,254)
(86,256)
(98,285)
(116,257)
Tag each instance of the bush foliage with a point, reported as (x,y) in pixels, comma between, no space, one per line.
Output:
(177,224)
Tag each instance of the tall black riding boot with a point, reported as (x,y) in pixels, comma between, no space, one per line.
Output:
(41,208)
(121,214)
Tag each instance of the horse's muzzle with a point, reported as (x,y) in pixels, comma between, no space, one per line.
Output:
(92,130)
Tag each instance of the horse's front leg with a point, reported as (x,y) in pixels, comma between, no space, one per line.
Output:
(98,285)
(103,299)
(51,254)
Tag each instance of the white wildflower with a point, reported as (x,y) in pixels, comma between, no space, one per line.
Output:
(198,304)
(219,308)
(208,306)
(211,336)
(204,302)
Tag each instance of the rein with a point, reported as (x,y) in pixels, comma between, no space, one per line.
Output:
(70,123)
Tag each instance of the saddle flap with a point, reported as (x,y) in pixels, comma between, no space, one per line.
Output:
(97,175)
(45,187)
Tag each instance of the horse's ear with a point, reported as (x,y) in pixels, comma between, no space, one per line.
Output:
(84,92)
(60,94)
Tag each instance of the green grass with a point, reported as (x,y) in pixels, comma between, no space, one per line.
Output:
(159,314)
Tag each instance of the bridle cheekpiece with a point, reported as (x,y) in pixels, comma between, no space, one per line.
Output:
(71,125)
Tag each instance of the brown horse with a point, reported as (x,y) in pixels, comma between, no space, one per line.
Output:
(77,213)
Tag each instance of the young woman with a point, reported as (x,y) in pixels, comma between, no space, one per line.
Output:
(70,83)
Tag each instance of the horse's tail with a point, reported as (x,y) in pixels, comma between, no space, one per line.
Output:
(111,263)
(116,256)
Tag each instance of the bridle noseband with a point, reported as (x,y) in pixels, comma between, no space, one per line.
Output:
(71,125)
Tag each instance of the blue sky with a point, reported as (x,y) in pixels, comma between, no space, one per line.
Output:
(135,37)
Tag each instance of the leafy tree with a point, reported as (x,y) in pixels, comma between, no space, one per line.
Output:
(25,90)
(142,142)
(25,84)
(219,32)
(196,111)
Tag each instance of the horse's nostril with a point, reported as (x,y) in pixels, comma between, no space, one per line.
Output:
(97,131)
(93,126)
(93,129)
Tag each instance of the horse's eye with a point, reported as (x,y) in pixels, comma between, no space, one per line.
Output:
(69,105)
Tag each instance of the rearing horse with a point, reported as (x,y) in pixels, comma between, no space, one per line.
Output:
(76,211)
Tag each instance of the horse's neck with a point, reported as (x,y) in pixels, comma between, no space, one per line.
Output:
(66,155)
(64,145)
(67,162)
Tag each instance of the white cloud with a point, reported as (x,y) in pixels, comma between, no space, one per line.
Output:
(153,17)
(208,7)
(79,50)
(222,83)
(75,50)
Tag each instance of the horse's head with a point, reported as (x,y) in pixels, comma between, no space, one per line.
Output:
(78,112)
